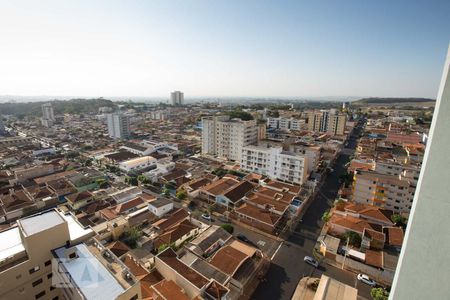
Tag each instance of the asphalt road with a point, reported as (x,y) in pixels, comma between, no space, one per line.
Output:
(287,267)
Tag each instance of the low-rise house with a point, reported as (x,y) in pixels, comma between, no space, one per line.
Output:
(78,200)
(160,206)
(176,235)
(138,164)
(209,241)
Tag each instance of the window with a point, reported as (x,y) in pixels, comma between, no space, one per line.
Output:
(56,298)
(73,255)
(37,282)
(41,294)
(35,269)
(48,263)
(52,288)
(49,275)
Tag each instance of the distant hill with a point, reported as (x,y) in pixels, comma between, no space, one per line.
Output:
(77,106)
(391,100)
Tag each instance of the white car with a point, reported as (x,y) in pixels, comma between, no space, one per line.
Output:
(311,261)
(206,217)
(366,279)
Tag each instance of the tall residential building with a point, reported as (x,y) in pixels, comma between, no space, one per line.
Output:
(46,256)
(2,127)
(328,121)
(422,269)
(177,98)
(48,117)
(225,138)
(285,123)
(275,163)
(118,126)
(387,191)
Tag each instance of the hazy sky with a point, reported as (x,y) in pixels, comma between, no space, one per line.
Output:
(223,48)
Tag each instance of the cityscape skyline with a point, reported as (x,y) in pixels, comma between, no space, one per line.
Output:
(232,49)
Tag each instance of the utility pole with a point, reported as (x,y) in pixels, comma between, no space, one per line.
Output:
(346,251)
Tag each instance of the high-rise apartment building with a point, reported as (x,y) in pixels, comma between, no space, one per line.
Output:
(225,138)
(422,269)
(387,191)
(285,123)
(49,256)
(118,126)
(177,98)
(48,117)
(328,121)
(275,163)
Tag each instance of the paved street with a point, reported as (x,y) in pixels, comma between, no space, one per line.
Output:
(287,267)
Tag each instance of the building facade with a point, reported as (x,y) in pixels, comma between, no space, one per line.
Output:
(275,163)
(286,123)
(328,121)
(225,138)
(386,191)
(118,126)
(177,98)
(48,117)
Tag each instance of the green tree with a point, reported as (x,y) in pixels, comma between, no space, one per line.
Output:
(353,238)
(102,183)
(162,248)
(398,219)
(131,236)
(244,116)
(131,180)
(181,194)
(379,294)
(143,180)
(326,216)
(228,227)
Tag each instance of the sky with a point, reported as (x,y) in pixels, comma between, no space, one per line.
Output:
(227,48)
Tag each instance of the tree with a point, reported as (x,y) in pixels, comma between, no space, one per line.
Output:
(181,194)
(211,208)
(131,236)
(244,116)
(398,219)
(102,183)
(143,180)
(131,180)
(228,227)
(162,248)
(326,216)
(353,238)
(379,294)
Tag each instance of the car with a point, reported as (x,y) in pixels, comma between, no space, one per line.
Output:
(206,217)
(366,279)
(243,238)
(311,261)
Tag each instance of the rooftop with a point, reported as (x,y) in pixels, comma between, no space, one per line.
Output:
(40,222)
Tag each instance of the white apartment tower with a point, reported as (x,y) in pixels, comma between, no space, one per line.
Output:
(48,117)
(225,138)
(275,163)
(118,126)
(177,98)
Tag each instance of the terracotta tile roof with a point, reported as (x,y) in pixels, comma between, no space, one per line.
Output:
(281,185)
(394,235)
(121,156)
(220,186)
(177,173)
(169,257)
(138,271)
(374,258)
(374,235)
(196,184)
(174,233)
(15,200)
(170,290)
(118,248)
(175,218)
(216,290)
(261,215)
(123,207)
(228,259)
(369,211)
(78,197)
(108,213)
(352,223)
(238,191)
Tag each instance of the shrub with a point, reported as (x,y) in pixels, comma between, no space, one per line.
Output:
(229,228)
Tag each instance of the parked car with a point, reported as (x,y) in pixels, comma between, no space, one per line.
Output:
(243,238)
(311,261)
(206,217)
(366,279)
